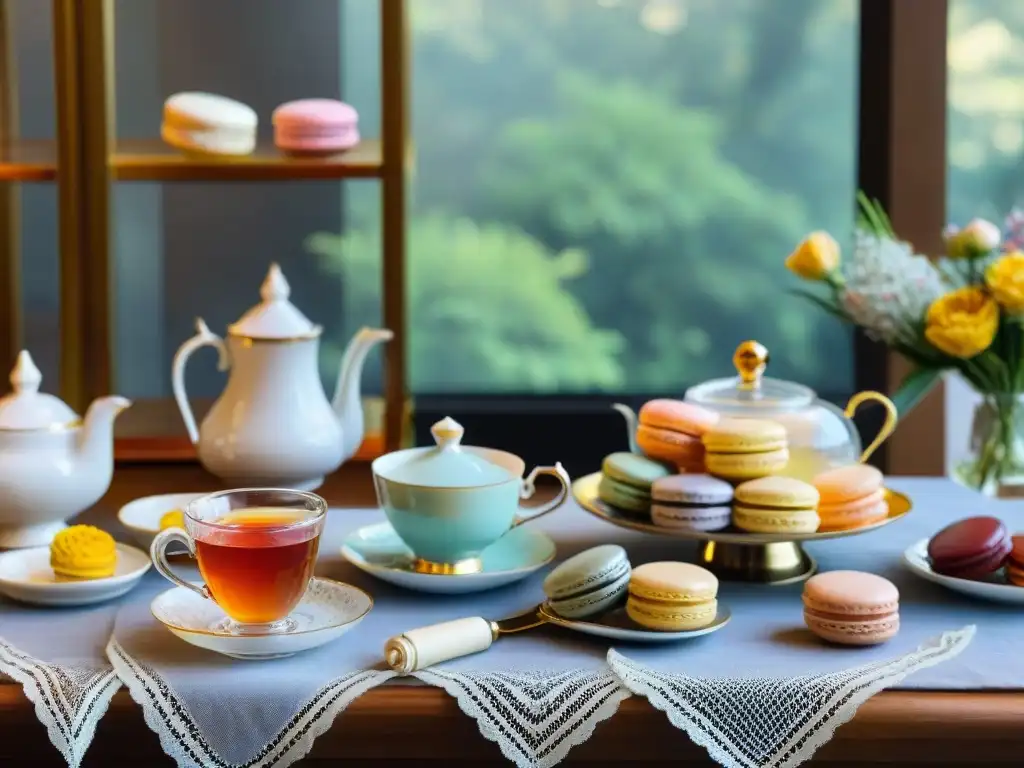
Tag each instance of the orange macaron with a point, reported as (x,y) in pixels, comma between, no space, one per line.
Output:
(671,431)
(851,497)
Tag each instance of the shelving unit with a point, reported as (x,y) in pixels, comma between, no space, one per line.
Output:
(87,158)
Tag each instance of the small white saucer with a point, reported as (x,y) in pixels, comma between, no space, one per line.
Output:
(142,516)
(26,576)
(616,625)
(995,589)
(377,550)
(328,610)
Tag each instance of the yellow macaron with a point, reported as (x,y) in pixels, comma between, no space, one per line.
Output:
(82,552)
(672,597)
(173,519)
(776,505)
(745,449)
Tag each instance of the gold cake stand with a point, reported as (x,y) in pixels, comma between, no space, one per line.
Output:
(734,555)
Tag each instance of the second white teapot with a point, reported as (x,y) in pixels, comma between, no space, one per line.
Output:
(273,425)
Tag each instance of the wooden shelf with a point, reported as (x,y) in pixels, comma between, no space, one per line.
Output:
(152,160)
(28,160)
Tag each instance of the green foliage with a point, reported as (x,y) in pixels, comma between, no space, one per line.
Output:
(489,307)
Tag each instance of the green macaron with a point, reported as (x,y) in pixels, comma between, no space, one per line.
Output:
(626,481)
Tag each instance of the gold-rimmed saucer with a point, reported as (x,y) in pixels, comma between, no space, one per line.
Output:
(328,610)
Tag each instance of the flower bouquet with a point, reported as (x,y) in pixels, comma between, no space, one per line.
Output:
(963,312)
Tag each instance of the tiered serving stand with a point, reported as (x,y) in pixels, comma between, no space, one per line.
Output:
(732,554)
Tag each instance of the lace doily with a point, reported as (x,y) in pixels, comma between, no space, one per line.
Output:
(69,701)
(183,741)
(774,723)
(534,717)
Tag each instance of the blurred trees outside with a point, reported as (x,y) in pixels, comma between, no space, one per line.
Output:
(605,190)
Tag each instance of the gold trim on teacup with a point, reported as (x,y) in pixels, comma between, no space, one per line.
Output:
(211,633)
(458,568)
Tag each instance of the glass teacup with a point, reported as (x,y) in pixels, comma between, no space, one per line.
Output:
(256,548)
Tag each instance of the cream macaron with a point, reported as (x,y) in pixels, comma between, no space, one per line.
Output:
(206,123)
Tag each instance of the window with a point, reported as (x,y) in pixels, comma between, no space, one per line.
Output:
(985,144)
(604,193)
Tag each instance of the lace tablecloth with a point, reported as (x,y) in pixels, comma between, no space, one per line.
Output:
(57,655)
(760,692)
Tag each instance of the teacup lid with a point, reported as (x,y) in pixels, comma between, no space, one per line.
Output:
(447,465)
(275,317)
(26,408)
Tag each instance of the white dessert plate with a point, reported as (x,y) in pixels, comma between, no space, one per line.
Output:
(996,589)
(142,516)
(377,550)
(616,625)
(328,610)
(26,576)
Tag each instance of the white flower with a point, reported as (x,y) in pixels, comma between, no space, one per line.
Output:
(978,238)
(889,288)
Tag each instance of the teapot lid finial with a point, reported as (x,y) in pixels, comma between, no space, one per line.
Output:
(26,376)
(275,317)
(26,408)
(275,287)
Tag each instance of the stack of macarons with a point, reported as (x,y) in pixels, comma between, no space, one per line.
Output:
(589,583)
(670,431)
(776,505)
(974,548)
(691,503)
(626,480)
(740,449)
(851,497)
(672,597)
(851,607)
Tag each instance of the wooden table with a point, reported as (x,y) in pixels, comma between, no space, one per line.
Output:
(424,725)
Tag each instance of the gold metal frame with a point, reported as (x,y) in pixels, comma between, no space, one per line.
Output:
(89,159)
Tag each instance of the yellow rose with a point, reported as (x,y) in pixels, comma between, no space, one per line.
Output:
(962,323)
(1005,279)
(815,258)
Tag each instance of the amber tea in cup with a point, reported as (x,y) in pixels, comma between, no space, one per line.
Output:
(256,550)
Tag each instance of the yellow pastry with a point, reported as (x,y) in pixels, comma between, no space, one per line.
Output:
(745,449)
(82,552)
(776,505)
(173,519)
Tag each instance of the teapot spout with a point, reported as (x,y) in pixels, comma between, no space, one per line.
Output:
(631,422)
(347,405)
(96,439)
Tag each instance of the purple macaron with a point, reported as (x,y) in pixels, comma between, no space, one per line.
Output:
(691,503)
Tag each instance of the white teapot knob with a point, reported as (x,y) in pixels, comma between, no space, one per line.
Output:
(275,287)
(25,377)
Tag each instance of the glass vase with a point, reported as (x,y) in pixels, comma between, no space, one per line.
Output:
(996,452)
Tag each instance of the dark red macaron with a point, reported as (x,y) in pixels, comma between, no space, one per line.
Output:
(971,548)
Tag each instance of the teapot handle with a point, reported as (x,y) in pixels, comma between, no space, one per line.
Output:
(888,426)
(204,338)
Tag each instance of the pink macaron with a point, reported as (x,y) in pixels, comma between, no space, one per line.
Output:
(851,607)
(315,126)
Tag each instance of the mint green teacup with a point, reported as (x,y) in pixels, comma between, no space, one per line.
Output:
(450,502)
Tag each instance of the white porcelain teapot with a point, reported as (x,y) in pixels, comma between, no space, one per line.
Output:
(53,464)
(272,425)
